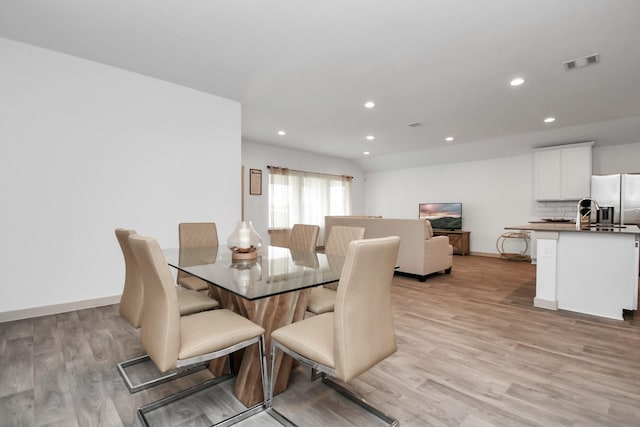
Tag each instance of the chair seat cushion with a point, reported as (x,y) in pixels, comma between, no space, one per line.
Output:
(311,338)
(321,300)
(214,330)
(190,302)
(193,283)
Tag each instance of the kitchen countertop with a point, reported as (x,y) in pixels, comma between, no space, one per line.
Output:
(571,226)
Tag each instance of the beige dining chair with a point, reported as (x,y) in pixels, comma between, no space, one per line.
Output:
(304,237)
(323,298)
(132,305)
(358,334)
(132,293)
(195,235)
(179,342)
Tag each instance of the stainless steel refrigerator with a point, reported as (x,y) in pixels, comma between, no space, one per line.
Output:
(622,192)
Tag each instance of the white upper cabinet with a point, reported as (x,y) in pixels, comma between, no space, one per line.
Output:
(562,172)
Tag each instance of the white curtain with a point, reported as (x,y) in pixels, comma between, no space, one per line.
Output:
(297,197)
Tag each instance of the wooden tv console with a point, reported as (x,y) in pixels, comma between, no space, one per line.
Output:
(459,239)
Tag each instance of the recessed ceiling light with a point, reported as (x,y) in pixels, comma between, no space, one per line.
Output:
(366,153)
(449,139)
(281,133)
(517,81)
(550,120)
(371,137)
(369,104)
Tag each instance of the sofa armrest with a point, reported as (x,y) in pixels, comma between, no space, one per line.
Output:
(436,241)
(438,254)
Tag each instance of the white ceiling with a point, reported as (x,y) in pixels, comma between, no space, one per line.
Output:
(308,67)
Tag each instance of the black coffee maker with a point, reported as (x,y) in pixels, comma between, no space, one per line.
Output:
(605,215)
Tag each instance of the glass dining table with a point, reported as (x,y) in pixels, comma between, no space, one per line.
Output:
(272,291)
(275,271)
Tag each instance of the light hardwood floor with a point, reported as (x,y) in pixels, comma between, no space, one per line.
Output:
(472,352)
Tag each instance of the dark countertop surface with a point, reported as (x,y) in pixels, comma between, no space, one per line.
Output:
(571,226)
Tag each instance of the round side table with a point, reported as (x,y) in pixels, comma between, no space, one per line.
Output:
(508,237)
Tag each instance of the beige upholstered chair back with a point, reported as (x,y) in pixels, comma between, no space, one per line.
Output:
(363,331)
(133,292)
(428,230)
(160,331)
(196,235)
(339,238)
(304,237)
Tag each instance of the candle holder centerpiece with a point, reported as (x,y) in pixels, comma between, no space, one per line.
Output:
(244,242)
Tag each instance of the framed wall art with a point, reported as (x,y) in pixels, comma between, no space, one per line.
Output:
(255,182)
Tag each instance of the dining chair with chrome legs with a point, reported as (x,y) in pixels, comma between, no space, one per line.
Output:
(323,298)
(357,335)
(195,235)
(174,341)
(304,237)
(132,306)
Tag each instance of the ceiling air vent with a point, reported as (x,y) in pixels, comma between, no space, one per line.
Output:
(582,62)
(416,125)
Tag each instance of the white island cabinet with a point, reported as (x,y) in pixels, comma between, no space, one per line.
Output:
(591,271)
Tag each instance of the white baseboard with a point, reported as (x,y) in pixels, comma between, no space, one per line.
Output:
(47,310)
(485,254)
(543,303)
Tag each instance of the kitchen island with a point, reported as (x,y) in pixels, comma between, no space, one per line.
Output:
(592,271)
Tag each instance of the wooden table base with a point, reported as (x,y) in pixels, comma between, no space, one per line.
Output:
(271,313)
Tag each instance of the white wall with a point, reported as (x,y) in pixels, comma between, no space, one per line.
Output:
(494,194)
(259,156)
(86,148)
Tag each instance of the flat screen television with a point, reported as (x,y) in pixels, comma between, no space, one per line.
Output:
(444,216)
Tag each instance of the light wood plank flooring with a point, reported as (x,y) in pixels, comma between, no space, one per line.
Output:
(472,352)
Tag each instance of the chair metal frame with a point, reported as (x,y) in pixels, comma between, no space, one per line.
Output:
(144,410)
(176,373)
(122,366)
(325,372)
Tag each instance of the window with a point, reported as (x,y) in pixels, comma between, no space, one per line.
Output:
(297,197)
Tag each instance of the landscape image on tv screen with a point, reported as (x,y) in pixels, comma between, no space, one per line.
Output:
(446,216)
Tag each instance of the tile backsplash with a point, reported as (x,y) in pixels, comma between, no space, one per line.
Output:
(565,209)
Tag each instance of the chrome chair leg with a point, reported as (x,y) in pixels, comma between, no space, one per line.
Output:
(134,388)
(260,407)
(322,371)
(359,401)
(315,375)
(269,403)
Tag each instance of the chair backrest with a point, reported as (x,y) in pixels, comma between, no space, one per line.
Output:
(196,235)
(304,237)
(160,330)
(363,330)
(339,238)
(131,301)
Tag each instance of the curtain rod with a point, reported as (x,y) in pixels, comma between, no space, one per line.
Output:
(315,173)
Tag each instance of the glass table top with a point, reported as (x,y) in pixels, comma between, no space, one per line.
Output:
(275,271)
